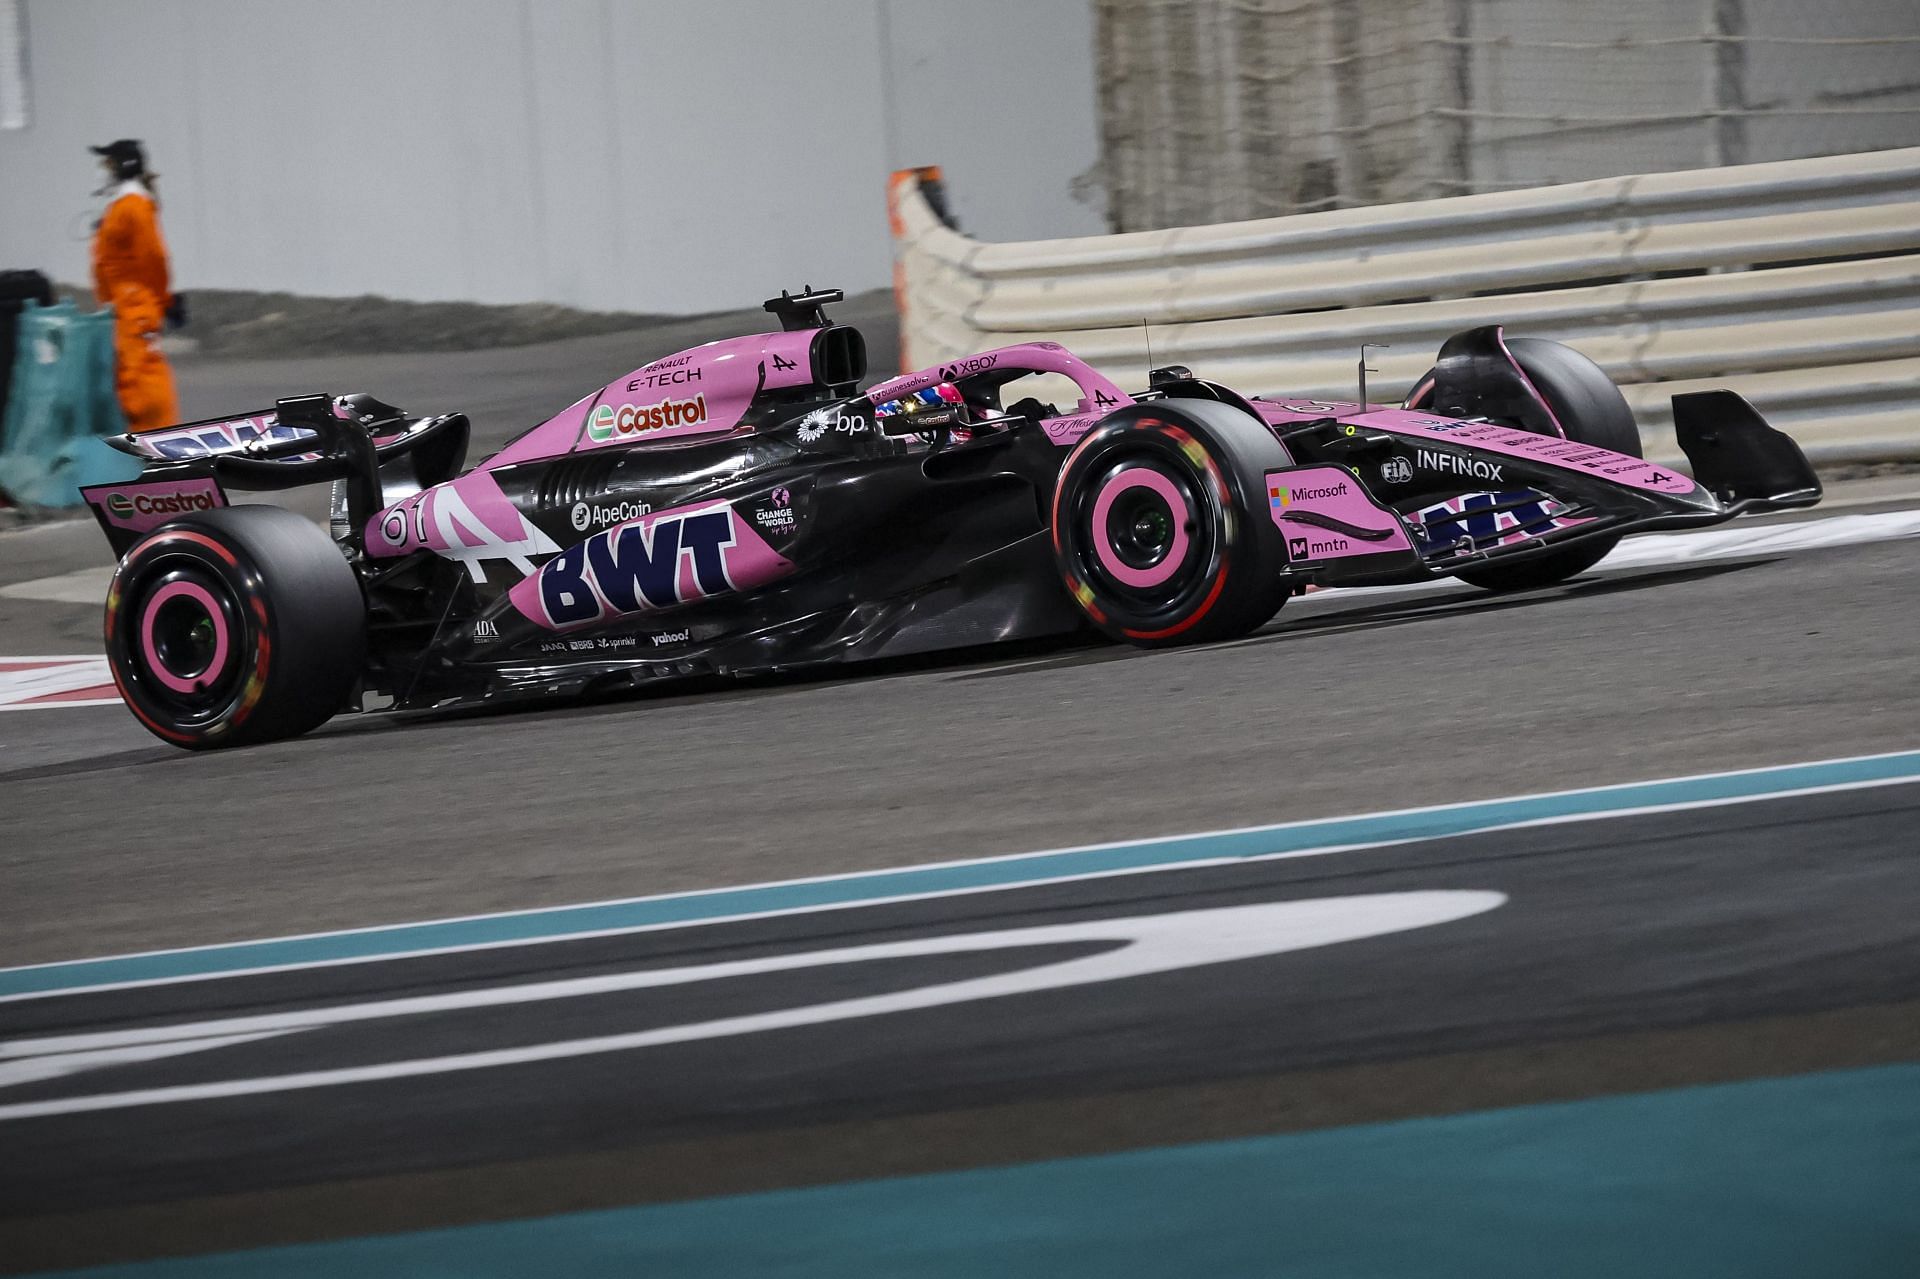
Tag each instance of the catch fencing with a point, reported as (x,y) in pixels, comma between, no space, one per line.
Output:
(1796,283)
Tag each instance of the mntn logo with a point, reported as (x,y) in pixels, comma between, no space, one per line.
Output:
(637,566)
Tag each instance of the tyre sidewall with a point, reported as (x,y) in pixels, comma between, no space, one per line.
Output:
(295,633)
(1215,458)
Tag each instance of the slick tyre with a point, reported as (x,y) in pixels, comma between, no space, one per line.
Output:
(1159,524)
(1590,409)
(236,626)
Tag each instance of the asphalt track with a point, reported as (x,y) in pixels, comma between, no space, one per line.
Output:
(1694,934)
(115,842)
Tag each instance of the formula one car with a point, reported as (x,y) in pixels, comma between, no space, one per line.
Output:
(743,507)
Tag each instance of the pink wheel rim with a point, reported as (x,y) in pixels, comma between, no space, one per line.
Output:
(1153,574)
(192,682)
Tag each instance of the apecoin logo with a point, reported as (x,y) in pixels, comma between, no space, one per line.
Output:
(585,515)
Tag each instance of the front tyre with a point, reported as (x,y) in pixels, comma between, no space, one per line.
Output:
(235,626)
(1159,524)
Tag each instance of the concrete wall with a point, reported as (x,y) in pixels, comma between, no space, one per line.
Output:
(665,155)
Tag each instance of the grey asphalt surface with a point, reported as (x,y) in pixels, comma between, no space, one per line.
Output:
(118,843)
(1705,928)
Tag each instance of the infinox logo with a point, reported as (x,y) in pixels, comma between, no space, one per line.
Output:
(1448,463)
(638,566)
(633,419)
(1288,496)
(122,507)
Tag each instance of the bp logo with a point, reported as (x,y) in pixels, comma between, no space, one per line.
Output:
(1396,470)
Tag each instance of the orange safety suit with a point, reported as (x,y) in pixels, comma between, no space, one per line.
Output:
(130,271)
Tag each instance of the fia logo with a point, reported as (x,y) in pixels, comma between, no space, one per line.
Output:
(1396,470)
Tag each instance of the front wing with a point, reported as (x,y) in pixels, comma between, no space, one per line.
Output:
(1348,518)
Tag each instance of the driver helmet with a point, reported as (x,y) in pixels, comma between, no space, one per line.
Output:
(939,407)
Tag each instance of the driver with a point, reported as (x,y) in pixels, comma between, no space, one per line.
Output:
(939,410)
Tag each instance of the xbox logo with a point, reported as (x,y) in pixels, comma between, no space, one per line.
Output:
(581,517)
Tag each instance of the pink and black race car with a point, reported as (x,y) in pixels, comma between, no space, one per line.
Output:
(743,507)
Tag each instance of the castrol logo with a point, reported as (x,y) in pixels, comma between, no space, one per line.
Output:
(120,506)
(609,422)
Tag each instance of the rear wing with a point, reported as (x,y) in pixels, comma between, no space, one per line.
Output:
(211,437)
(307,439)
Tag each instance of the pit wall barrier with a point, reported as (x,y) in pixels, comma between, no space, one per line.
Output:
(1795,283)
(60,403)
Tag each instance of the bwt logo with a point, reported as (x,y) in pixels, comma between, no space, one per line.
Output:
(638,566)
(120,506)
(632,419)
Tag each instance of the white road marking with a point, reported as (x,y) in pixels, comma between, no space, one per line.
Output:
(32,1069)
(1010,883)
(1142,945)
(42,677)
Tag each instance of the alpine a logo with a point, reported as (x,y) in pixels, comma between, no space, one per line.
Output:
(1450,464)
(608,422)
(122,507)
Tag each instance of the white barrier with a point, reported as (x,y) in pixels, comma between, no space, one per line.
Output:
(1795,283)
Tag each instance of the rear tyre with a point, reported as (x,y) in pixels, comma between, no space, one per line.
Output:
(235,626)
(1159,524)
(1590,409)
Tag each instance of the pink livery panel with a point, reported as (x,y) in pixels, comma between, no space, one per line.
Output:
(658,561)
(138,507)
(1326,514)
(1546,450)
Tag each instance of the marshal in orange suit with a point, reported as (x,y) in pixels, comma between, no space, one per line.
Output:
(130,271)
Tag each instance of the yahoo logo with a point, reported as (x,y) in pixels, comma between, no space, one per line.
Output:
(640,566)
